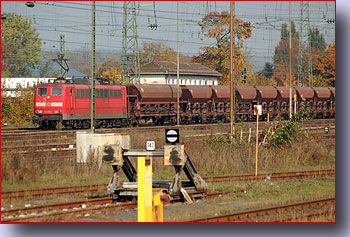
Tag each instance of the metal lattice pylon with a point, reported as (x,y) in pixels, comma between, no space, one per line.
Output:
(130,52)
(304,66)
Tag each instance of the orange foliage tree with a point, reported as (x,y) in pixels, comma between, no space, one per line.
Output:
(165,53)
(324,67)
(18,110)
(108,64)
(114,75)
(217,26)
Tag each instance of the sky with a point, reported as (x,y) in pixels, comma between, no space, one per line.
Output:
(73,19)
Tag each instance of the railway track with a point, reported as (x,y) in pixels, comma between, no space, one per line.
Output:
(57,146)
(77,208)
(8,133)
(290,212)
(91,189)
(48,192)
(273,176)
(57,211)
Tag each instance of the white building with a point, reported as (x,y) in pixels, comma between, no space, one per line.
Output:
(10,87)
(163,72)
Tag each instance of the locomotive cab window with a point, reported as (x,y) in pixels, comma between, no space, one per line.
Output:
(42,91)
(56,91)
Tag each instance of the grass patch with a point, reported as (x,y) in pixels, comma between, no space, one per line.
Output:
(257,195)
(212,159)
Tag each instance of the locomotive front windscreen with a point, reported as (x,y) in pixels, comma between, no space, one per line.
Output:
(42,91)
(56,91)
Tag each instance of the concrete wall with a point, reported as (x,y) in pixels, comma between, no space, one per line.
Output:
(90,144)
(152,79)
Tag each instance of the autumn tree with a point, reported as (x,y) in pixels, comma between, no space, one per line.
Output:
(217,26)
(20,46)
(114,75)
(152,50)
(324,67)
(19,110)
(110,63)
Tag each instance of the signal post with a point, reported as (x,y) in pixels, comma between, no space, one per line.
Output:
(257,112)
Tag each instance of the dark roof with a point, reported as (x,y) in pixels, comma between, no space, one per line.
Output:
(165,67)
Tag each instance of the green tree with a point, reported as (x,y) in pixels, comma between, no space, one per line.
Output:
(268,70)
(45,69)
(285,31)
(281,56)
(20,46)
(317,40)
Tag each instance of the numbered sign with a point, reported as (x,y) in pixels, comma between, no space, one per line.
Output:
(150,146)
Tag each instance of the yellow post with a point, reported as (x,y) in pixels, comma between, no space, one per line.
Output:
(144,189)
(268,117)
(295,103)
(157,205)
(257,144)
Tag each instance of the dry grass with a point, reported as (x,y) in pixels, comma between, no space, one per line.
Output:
(225,159)
(17,173)
(209,159)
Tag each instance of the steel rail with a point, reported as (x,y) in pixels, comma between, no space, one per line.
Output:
(254,215)
(78,208)
(213,179)
(30,193)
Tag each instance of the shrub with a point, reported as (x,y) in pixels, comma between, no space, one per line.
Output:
(285,131)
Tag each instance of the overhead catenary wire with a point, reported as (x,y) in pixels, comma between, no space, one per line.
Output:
(63,22)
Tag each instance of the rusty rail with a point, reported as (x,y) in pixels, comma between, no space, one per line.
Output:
(261,214)
(33,193)
(214,179)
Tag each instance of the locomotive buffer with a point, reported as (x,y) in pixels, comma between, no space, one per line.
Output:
(173,155)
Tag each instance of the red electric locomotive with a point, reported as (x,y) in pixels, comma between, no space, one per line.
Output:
(68,102)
